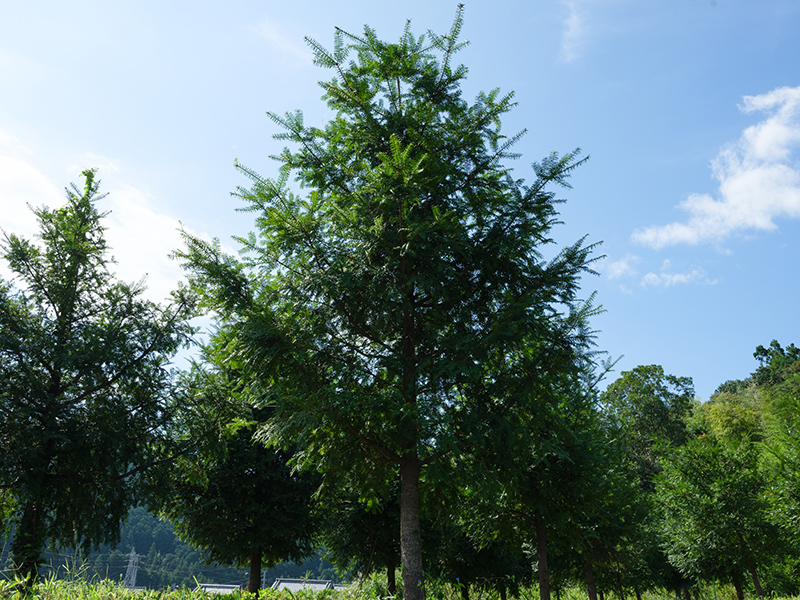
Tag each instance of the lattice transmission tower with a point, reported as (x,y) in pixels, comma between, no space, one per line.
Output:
(133,566)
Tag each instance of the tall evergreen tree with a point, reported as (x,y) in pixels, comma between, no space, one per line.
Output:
(403,299)
(85,407)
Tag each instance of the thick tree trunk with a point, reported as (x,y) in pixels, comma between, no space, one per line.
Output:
(601,595)
(28,543)
(410,538)
(254,580)
(588,572)
(541,550)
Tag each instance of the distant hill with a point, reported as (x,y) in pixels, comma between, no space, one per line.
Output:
(165,561)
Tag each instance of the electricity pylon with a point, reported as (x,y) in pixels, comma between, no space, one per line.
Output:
(133,566)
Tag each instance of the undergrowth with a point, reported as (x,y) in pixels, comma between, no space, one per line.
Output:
(372,588)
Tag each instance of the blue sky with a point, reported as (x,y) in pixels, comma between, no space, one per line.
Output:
(689,111)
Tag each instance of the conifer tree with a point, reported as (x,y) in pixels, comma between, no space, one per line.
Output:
(85,407)
(395,298)
(248,508)
(237,499)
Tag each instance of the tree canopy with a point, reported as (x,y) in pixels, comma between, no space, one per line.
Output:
(649,406)
(239,500)
(396,298)
(85,407)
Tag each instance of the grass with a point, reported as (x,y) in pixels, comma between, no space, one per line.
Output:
(374,588)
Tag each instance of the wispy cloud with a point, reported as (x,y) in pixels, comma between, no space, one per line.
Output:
(277,39)
(625,267)
(574,38)
(22,185)
(139,235)
(666,278)
(103,164)
(141,238)
(759,179)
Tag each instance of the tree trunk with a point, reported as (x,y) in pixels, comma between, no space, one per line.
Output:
(756,582)
(601,595)
(588,572)
(464,591)
(28,543)
(254,580)
(410,538)
(620,591)
(410,464)
(737,583)
(638,592)
(541,550)
(503,593)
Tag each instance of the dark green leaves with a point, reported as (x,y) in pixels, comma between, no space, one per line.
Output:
(85,407)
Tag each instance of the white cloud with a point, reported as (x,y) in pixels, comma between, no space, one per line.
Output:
(103,164)
(280,42)
(21,186)
(625,267)
(759,179)
(665,280)
(573,41)
(10,144)
(140,235)
(141,238)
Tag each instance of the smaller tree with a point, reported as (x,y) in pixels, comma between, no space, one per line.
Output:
(649,407)
(85,402)
(714,515)
(468,562)
(362,534)
(237,499)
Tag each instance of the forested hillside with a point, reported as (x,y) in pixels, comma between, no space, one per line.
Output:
(165,561)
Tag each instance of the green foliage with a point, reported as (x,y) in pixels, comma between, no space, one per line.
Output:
(250,500)
(649,407)
(775,361)
(401,306)
(238,499)
(715,516)
(466,561)
(736,416)
(783,449)
(362,535)
(648,412)
(85,406)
